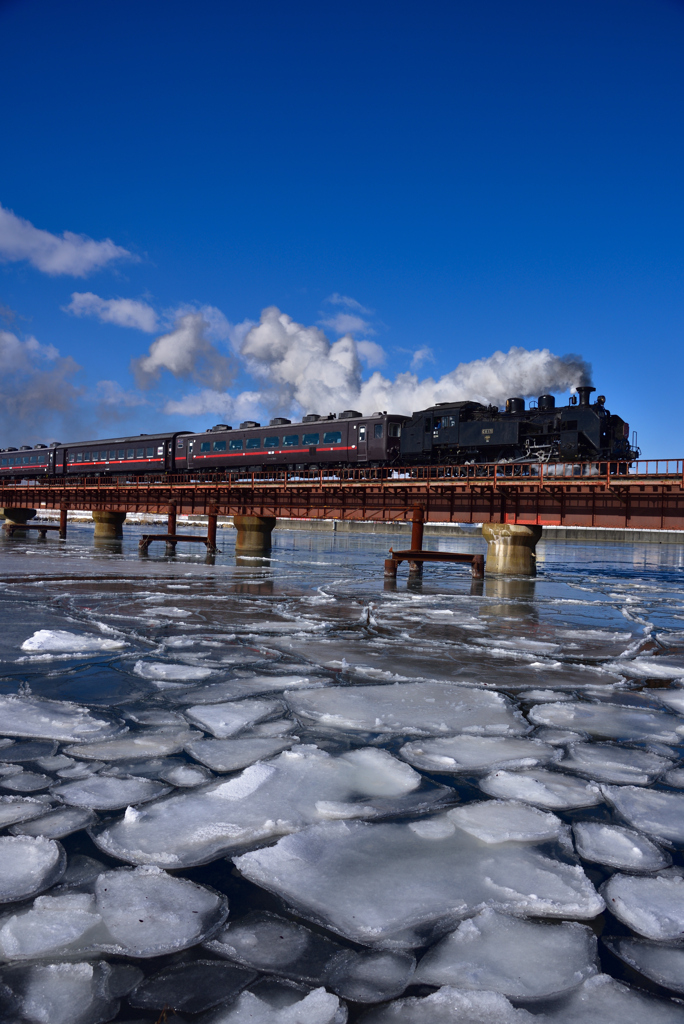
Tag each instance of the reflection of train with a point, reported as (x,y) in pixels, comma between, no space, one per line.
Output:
(451,432)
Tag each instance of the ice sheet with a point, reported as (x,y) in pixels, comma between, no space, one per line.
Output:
(542,788)
(652,907)
(654,811)
(442,873)
(318,1007)
(266,800)
(608,762)
(59,641)
(225,720)
(35,717)
(601,1000)
(28,865)
(62,993)
(412,709)
(134,745)
(450,1006)
(662,964)
(500,821)
(465,753)
(610,721)
(141,912)
(523,960)
(618,847)
(109,792)
(56,824)
(192,987)
(231,755)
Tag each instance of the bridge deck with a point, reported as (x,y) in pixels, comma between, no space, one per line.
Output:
(641,495)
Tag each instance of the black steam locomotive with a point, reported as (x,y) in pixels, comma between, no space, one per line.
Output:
(448,433)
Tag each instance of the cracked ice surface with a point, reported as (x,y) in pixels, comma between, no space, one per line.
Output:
(442,873)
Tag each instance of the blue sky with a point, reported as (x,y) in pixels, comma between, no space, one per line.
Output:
(421,184)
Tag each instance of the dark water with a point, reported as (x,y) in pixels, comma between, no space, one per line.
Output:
(576,634)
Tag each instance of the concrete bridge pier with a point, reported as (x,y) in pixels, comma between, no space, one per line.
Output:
(108,525)
(18,517)
(253,535)
(511,548)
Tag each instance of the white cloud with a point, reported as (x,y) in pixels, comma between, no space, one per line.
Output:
(347,323)
(346,300)
(123,312)
(68,253)
(37,393)
(246,405)
(372,354)
(110,392)
(422,355)
(186,352)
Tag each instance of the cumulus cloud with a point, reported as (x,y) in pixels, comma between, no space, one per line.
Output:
(37,392)
(123,312)
(372,354)
(207,402)
(187,352)
(67,253)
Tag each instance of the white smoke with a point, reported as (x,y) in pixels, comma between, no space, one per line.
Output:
(302,371)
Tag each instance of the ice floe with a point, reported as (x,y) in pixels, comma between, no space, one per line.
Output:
(66,993)
(502,821)
(450,1006)
(652,907)
(618,847)
(542,788)
(192,987)
(56,824)
(266,800)
(454,754)
(28,865)
(231,755)
(662,964)
(14,809)
(59,641)
(14,751)
(523,960)
(109,792)
(38,718)
(610,721)
(608,762)
(412,709)
(602,1000)
(318,1007)
(267,942)
(442,873)
(25,782)
(168,672)
(134,745)
(654,811)
(185,776)
(224,720)
(138,912)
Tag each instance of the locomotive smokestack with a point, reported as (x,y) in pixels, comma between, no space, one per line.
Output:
(584,393)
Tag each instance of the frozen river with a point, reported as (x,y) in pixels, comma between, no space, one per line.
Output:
(284,793)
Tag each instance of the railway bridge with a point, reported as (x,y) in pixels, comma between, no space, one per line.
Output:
(517,499)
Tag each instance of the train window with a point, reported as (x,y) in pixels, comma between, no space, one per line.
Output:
(362,433)
(332,437)
(438,423)
(290,440)
(253,442)
(180,443)
(140,453)
(130,453)
(311,439)
(236,446)
(114,455)
(26,460)
(86,456)
(205,446)
(149,452)
(33,460)
(219,446)
(160,449)
(271,442)
(79,456)
(377,430)
(394,429)
(4,462)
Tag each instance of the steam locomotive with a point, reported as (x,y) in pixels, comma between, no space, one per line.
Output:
(447,433)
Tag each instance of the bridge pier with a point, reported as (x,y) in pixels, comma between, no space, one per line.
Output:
(63,511)
(511,548)
(254,535)
(108,525)
(18,517)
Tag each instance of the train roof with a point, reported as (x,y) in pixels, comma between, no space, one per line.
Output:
(129,439)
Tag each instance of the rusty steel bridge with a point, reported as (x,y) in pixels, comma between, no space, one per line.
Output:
(638,495)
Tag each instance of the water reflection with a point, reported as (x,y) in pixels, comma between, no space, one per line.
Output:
(512,598)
